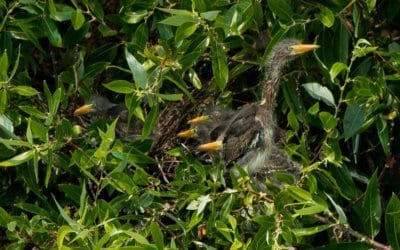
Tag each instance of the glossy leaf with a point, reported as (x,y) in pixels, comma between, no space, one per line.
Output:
(184,31)
(371,219)
(336,69)
(392,222)
(77,19)
(328,121)
(320,93)
(25,90)
(310,230)
(150,122)
(137,69)
(354,118)
(18,159)
(383,133)
(52,32)
(326,17)
(219,64)
(282,9)
(120,86)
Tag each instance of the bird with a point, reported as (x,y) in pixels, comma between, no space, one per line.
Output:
(99,107)
(247,136)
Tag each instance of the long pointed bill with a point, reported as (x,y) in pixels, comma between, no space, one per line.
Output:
(199,119)
(190,133)
(211,146)
(83,109)
(303,48)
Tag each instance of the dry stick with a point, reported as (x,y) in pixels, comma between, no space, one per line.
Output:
(352,232)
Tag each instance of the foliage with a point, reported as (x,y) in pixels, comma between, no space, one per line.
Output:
(69,187)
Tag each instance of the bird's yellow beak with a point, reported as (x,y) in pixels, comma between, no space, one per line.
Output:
(199,119)
(190,133)
(303,48)
(83,109)
(211,146)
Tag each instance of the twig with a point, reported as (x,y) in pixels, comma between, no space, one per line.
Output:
(346,229)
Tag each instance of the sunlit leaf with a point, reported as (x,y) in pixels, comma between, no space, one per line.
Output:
(120,86)
(18,159)
(309,230)
(137,69)
(77,19)
(326,17)
(24,90)
(320,93)
(336,69)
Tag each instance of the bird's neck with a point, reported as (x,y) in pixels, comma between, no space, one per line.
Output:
(271,82)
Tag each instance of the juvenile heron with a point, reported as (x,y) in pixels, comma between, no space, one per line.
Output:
(247,136)
(98,107)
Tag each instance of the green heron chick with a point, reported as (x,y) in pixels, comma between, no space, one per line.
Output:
(248,134)
(98,107)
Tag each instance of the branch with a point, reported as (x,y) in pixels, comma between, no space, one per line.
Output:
(346,229)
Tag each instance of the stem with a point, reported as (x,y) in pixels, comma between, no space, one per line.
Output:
(346,229)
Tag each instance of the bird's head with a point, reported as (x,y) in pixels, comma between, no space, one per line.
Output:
(289,49)
(95,105)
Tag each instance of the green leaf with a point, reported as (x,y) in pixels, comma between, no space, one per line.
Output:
(336,68)
(224,230)
(77,19)
(219,64)
(310,210)
(141,36)
(299,232)
(328,121)
(137,69)
(5,217)
(170,97)
(194,79)
(392,222)
(52,32)
(320,93)
(354,118)
(178,12)
(184,31)
(61,234)
(370,4)
(106,30)
(30,35)
(326,17)
(282,9)
(157,235)
(292,119)
(179,20)
(124,183)
(210,15)
(383,134)
(107,138)
(25,90)
(120,86)
(371,205)
(133,17)
(339,210)
(150,122)
(18,159)
(3,68)
(6,124)
(299,194)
